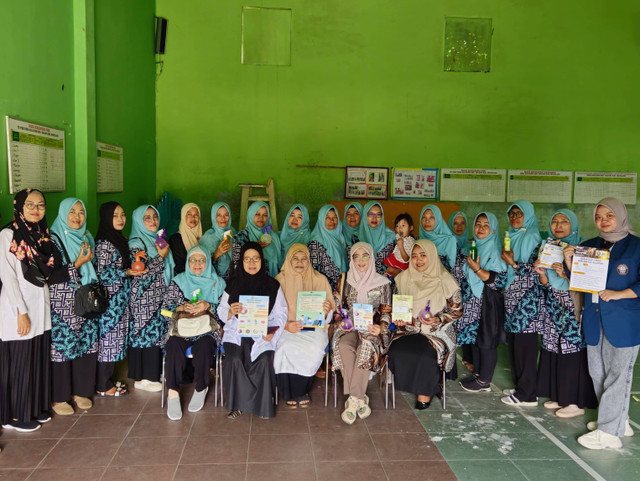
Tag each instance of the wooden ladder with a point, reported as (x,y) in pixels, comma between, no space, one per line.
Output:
(269,196)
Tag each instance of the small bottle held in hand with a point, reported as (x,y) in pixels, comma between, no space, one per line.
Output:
(161,242)
(507,242)
(473,251)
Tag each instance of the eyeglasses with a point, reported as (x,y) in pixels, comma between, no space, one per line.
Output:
(197,261)
(31,207)
(374,214)
(252,260)
(147,218)
(364,257)
(516,214)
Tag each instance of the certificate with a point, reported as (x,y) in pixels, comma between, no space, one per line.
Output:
(589,270)
(362,316)
(552,252)
(402,306)
(254,317)
(309,309)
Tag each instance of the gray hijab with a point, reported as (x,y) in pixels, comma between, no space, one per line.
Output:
(623,229)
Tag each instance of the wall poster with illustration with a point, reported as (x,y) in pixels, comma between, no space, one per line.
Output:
(366,183)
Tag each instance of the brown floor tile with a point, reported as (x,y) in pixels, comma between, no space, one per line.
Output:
(404,470)
(14,474)
(54,429)
(393,422)
(217,472)
(149,451)
(140,473)
(405,447)
(155,425)
(101,426)
(336,447)
(279,471)
(131,404)
(351,471)
(273,448)
(330,422)
(216,449)
(216,423)
(86,453)
(18,453)
(67,474)
(290,423)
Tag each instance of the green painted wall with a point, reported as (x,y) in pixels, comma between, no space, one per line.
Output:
(41,61)
(366,87)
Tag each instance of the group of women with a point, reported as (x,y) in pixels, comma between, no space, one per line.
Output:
(52,358)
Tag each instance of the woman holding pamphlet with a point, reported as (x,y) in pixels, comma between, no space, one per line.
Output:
(426,346)
(356,350)
(610,324)
(299,352)
(563,373)
(254,310)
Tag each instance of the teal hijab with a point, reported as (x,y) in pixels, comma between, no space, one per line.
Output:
(573,238)
(290,236)
(331,240)
(379,237)
(349,233)
(441,235)
(489,253)
(525,239)
(143,239)
(211,286)
(212,238)
(273,252)
(72,239)
(463,239)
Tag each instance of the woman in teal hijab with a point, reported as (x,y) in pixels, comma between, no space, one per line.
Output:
(563,374)
(296,228)
(434,228)
(327,251)
(459,226)
(196,291)
(148,329)
(351,222)
(212,240)
(375,232)
(259,225)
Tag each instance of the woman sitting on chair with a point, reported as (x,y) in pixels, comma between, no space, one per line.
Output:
(427,346)
(193,293)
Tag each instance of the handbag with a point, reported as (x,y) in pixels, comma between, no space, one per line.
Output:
(90,300)
(186,325)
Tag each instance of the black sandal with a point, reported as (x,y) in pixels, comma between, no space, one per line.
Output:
(234,414)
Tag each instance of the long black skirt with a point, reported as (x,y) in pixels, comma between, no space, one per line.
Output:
(564,378)
(145,363)
(25,378)
(74,378)
(248,386)
(294,387)
(413,361)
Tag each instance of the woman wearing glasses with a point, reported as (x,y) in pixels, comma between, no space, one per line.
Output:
(522,299)
(375,233)
(327,251)
(188,235)
(26,262)
(147,330)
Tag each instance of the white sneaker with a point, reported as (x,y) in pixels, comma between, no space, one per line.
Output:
(628,431)
(551,405)
(509,392)
(514,401)
(570,411)
(600,440)
(146,385)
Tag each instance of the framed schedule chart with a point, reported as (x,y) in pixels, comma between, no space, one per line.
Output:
(36,156)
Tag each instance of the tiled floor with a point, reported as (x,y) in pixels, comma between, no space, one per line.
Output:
(476,438)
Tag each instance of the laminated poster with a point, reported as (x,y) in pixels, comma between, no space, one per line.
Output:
(309,308)
(254,318)
(362,316)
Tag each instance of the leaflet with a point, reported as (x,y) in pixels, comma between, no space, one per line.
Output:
(253,319)
(310,310)
(552,252)
(362,316)
(589,269)
(402,307)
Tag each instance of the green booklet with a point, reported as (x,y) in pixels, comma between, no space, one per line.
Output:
(309,309)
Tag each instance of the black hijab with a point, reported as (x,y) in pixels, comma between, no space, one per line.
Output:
(258,284)
(31,242)
(107,233)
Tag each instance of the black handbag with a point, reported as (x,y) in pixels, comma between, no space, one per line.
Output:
(91,300)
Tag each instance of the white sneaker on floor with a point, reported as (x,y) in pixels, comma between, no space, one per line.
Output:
(514,401)
(600,440)
(146,385)
(551,405)
(509,392)
(570,411)
(628,431)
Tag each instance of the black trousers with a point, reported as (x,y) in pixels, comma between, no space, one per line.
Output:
(484,362)
(523,354)
(203,351)
(74,378)
(145,363)
(103,376)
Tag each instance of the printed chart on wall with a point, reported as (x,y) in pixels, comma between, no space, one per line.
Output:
(366,183)
(590,187)
(472,185)
(540,185)
(414,184)
(35,154)
(109,170)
